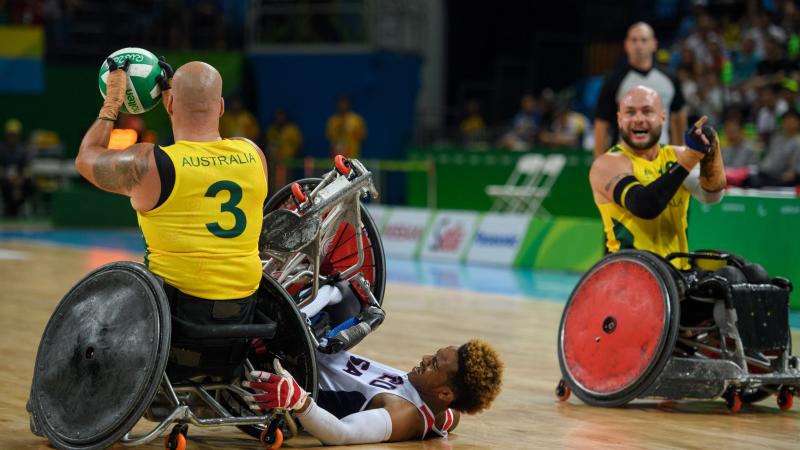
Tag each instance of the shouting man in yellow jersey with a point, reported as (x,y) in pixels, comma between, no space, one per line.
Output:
(642,188)
(199,201)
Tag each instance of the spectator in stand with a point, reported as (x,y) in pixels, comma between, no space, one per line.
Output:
(737,151)
(284,138)
(524,126)
(346,130)
(710,98)
(787,97)
(745,61)
(779,166)
(15,175)
(567,129)
(473,127)
(766,113)
(237,121)
(775,66)
(763,29)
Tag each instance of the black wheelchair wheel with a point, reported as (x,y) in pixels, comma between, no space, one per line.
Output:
(101,358)
(619,328)
(292,345)
(342,252)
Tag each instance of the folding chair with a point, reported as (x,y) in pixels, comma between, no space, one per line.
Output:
(528,185)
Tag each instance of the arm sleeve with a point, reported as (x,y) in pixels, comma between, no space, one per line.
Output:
(692,184)
(364,427)
(647,202)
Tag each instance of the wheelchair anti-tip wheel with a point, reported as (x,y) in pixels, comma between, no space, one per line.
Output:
(342,253)
(619,328)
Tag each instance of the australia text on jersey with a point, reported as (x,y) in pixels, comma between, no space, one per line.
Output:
(221,160)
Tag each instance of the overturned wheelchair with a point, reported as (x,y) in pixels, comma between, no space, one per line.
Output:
(636,327)
(319,232)
(112,353)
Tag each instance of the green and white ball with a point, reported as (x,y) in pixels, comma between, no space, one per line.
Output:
(143,92)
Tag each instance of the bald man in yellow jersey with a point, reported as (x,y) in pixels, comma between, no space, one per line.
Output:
(642,188)
(199,201)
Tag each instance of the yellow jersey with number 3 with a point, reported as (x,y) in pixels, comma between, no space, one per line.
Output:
(203,239)
(663,235)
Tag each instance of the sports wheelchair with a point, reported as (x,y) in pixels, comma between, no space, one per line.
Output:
(635,327)
(112,353)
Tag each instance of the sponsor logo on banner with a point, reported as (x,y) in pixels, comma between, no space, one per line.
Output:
(498,238)
(449,235)
(403,231)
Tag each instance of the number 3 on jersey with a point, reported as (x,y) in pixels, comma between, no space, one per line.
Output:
(240,220)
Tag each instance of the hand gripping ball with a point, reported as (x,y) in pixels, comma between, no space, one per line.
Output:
(143,92)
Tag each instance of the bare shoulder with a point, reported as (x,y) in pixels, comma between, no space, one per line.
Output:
(610,164)
(607,170)
(241,138)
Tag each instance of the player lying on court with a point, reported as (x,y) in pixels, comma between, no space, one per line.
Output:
(362,401)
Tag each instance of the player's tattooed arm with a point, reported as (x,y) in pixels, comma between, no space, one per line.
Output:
(121,171)
(118,171)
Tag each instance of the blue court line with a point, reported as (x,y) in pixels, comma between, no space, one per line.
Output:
(531,284)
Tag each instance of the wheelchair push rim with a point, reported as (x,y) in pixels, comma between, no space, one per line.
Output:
(619,328)
(342,251)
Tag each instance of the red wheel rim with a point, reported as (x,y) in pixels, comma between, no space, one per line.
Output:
(615,327)
(343,254)
(341,164)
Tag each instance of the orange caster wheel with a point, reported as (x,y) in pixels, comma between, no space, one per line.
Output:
(734,401)
(177,438)
(563,391)
(298,193)
(342,165)
(785,399)
(272,441)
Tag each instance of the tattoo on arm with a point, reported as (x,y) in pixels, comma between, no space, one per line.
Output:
(614,180)
(122,171)
(707,171)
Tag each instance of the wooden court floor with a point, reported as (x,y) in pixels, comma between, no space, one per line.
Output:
(33,277)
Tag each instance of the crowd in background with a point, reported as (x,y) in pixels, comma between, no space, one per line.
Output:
(738,66)
(741,70)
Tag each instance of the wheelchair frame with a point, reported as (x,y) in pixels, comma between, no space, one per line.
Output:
(335,200)
(705,361)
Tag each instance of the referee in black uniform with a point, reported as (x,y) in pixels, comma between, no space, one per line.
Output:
(640,46)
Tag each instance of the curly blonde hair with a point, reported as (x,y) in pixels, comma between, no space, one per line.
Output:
(479,377)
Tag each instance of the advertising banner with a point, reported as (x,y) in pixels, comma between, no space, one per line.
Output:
(498,239)
(449,235)
(403,231)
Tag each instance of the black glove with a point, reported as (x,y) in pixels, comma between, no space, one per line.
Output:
(166,74)
(695,142)
(112,65)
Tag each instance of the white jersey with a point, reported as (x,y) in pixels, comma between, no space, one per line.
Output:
(348,382)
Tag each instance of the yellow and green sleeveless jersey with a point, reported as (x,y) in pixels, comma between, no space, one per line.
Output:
(203,239)
(663,235)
